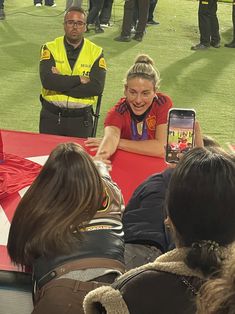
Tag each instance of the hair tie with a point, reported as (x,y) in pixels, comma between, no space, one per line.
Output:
(141,73)
(142,61)
(211,245)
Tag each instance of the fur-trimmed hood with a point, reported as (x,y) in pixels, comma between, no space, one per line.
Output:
(111,298)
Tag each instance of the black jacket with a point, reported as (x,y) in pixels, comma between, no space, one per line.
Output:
(143,219)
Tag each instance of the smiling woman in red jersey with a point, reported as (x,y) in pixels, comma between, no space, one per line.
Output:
(137,123)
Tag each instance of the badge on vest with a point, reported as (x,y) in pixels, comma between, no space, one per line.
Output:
(102,63)
(45,55)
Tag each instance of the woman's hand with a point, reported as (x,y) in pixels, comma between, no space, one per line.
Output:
(93,142)
(54,70)
(84,80)
(104,157)
(198,135)
(198,140)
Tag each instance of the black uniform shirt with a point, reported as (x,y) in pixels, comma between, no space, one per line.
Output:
(71,85)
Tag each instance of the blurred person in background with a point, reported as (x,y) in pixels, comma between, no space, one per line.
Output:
(208,25)
(128,14)
(2,12)
(73,3)
(232,43)
(106,13)
(152,6)
(150,21)
(93,17)
(49,3)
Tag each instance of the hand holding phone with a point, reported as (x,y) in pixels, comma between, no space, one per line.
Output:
(180,133)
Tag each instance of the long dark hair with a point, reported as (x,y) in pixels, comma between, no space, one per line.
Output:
(65,195)
(201,205)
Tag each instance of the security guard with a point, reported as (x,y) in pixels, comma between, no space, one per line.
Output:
(208,25)
(232,43)
(72,71)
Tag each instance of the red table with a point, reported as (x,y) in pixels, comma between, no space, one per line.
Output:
(129,170)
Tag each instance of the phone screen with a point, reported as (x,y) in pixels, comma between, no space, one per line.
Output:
(180,133)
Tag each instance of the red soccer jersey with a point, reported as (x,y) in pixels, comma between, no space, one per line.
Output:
(131,129)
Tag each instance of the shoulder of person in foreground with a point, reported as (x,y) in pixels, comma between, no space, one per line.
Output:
(143,218)
(154,184)
(141,290)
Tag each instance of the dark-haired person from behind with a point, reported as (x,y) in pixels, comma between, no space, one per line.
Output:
(200,206)
(67,229)
(137,123)
(146,237)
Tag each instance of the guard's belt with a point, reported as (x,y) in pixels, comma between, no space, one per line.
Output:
(66,112)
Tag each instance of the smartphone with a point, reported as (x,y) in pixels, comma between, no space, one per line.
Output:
(180,133)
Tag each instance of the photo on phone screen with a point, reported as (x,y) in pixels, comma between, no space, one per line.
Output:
(180,133)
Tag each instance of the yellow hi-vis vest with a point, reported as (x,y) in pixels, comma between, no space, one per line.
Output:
(88,55)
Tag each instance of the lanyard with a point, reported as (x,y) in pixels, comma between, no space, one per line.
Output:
(138,130)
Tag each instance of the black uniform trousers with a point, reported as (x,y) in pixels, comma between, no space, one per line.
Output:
(106,12)
(66,122)
(233,17)
(152,6)
(129,8)
(1,4)
(94,11)
(47,2)
(208,22)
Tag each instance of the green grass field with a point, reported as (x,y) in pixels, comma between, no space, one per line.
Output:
(203,80)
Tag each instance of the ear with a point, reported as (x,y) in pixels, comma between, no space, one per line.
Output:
(125,89)
(168,223)
(64,24)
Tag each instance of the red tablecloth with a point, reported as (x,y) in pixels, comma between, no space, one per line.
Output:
(129,170)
